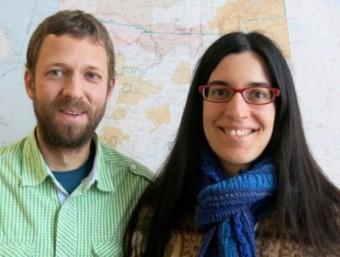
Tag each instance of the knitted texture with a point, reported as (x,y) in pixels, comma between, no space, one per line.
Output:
(228,208)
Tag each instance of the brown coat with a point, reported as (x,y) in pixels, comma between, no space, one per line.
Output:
(270,242)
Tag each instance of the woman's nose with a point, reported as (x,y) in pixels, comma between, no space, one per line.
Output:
(237,108)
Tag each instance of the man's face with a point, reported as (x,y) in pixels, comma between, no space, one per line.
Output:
(69,90)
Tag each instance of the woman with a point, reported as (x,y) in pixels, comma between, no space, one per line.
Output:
(240,179)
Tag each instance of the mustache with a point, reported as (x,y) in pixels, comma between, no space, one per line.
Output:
(72,103)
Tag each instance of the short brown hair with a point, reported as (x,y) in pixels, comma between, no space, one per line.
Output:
(76,24)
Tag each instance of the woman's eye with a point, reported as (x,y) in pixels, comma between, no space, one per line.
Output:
(219,92)
(259,94)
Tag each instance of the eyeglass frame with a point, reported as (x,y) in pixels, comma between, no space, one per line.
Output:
(276,92)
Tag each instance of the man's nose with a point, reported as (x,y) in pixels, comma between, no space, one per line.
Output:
(73,86)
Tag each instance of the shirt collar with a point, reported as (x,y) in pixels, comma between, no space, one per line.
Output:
(35,169)
(102,171)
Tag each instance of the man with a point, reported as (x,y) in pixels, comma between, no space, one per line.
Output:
(63,193)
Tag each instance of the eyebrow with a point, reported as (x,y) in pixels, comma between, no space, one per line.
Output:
(57,64)
(218,82)
(64,65)
(227,84)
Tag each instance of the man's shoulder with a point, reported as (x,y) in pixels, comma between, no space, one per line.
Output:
(113,157)
(12,149)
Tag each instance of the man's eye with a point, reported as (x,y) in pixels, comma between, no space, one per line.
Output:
(55,73)
(92,76)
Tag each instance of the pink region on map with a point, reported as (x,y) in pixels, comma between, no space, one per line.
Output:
(159,39)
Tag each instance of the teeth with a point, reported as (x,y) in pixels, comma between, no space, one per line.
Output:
(72,113)
(238,132)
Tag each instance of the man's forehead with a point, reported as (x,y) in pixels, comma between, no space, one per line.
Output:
(63,48)
(70,39)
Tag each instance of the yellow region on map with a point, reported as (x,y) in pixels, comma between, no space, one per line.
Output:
(113,136)
(118,113)
(159,115)
(182,74)
(266,16)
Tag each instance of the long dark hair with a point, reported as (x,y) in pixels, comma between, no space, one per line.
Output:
(306,200)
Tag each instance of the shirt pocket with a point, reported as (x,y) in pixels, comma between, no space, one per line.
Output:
(16,249)
(108,249)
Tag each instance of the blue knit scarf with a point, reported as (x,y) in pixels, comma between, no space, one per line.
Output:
(228,208)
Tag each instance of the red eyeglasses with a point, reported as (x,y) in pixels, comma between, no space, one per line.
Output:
(257,95)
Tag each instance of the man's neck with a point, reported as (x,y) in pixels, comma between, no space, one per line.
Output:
(63,159)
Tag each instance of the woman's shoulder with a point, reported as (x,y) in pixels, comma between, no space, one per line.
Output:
(185,238)
(274,240)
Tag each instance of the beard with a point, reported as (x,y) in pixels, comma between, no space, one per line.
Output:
(66,134)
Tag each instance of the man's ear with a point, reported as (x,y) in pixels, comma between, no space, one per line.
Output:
(29,84)
(110,87)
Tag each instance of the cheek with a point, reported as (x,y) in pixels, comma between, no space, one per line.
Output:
(99,100)
(211,112)
(97,95)
(268,119)
(271,116)
(208,117)
(46,91)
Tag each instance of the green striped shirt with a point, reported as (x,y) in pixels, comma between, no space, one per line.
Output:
(39,218)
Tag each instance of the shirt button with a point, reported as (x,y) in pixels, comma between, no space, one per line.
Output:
(133,166)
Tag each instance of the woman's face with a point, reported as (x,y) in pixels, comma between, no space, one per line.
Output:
(236,131)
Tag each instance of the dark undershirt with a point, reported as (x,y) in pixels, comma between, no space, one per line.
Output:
(71,179)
